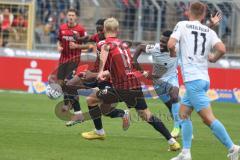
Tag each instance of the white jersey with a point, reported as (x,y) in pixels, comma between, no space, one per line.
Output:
(195,43)
(164,66)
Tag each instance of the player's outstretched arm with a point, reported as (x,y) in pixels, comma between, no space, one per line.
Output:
(140,48)
(220,51)
(214,20)
(83,39)
(73,45)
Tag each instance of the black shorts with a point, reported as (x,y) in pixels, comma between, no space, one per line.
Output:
(100,85)
(66,70)
(133,98)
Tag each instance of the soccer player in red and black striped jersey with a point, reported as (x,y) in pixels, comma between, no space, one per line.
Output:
(70,51)
(116,62)
(88,79)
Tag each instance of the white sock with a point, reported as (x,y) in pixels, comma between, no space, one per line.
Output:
(78,112)
(233,148)
(185,151)
(100,132)
(171,141)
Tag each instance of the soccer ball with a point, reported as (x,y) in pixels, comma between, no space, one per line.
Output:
(54,91)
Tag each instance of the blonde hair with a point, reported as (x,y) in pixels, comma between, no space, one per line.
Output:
(197,9)
(111,25)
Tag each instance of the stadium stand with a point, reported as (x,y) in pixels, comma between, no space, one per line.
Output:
(51,13)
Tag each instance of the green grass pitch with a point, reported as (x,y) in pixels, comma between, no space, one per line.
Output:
(29,130)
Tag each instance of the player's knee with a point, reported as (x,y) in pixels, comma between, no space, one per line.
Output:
(208,120)
(207,116)
(183,115)
(175,99)
(106,109)
(144,114)
(90,101)
(174,95)
(60,82)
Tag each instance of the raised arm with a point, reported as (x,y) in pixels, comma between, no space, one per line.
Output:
(214,20)
(140,48)
(73,45)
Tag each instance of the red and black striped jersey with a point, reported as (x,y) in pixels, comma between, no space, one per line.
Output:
(119,63)
(66,35)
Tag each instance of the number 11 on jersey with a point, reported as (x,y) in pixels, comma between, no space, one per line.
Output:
(196,38)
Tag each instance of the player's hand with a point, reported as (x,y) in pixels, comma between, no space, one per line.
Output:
(73,45)
(102,76)
(89,75)
(82,75)
(211,58)
(216,19)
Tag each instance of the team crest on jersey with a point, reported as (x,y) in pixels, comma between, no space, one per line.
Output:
(69,38)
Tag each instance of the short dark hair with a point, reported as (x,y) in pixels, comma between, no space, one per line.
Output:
(100,21)
(72,10)
(167,33)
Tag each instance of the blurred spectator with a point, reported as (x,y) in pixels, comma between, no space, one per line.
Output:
(182,10)
(19,27)
(224,25)
(6,19)
(39,33)
(75,4)
(62,5)
(130,13)
(51,29)
(61,19)
(20,21)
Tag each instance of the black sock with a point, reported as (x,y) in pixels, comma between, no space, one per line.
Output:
(116,113)
(95,113)
(75,103)
(66,99)
(160,127)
